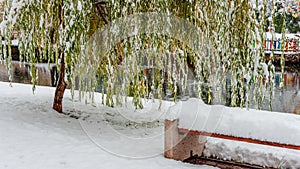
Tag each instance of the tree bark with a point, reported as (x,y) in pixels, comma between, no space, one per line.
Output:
(61,85)
(60,88)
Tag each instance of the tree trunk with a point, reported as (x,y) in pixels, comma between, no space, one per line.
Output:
(61,85)
(60,88)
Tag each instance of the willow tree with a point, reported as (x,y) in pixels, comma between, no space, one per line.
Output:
(60,31)
(53,30)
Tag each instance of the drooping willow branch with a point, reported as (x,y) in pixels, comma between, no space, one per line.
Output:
(232,52)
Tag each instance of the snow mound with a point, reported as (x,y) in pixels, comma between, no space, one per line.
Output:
(254,154)
(239,122)
(34,136)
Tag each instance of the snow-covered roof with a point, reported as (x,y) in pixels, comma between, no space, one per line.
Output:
(279,36)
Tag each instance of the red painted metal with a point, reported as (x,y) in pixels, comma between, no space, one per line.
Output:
(233,138)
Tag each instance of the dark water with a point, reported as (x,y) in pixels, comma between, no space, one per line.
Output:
(21,73)
(285,99)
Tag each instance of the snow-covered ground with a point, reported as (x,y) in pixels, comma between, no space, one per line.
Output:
(33,136)
(255,124)
(262,155)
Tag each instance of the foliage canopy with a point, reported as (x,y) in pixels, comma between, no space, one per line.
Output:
(60,29)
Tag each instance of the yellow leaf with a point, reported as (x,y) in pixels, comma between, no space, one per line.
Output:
(295,15)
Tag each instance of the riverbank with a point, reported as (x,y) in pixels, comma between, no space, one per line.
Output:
(34,136)
(292,62)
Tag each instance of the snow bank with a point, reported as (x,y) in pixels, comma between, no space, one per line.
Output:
(34,136)
(250,153)
(238,122)
(263,125)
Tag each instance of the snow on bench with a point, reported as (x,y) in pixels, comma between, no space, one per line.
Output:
(254,126)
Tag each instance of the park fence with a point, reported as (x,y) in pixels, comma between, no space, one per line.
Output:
(290,45)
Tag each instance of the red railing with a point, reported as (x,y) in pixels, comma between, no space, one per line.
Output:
(291,45)
(242,139)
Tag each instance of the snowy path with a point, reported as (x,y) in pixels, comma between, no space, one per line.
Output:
(32,136)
